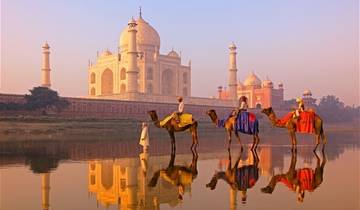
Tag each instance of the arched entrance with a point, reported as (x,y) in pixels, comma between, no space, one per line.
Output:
(258,106)
(107,82)
(92,92)
(167,82)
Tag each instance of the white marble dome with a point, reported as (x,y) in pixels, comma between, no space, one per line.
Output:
(146,35)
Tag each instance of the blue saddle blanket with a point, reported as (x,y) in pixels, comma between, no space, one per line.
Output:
(246,122)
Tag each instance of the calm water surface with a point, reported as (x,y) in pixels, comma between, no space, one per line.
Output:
(118,175)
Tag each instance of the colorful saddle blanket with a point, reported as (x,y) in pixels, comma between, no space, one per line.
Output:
(304,124)
(246,122)
(185,119)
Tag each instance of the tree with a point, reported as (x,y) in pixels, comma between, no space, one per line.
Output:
(334,110)
(43,98)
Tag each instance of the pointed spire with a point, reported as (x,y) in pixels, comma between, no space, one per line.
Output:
(140,13)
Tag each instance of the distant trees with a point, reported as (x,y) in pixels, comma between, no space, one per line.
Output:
(43,98)
(330,108)
(40,99)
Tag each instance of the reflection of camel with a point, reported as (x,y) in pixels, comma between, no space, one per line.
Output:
(291,126)
(172,126)
(177,175)
(229,127)
(301,179)
(240,179)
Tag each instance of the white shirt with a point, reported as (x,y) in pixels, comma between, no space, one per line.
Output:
(181,107)
(243,105)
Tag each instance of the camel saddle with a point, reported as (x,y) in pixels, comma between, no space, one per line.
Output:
(304,123)
(185,119)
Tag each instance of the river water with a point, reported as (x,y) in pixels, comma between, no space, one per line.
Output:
(117,174)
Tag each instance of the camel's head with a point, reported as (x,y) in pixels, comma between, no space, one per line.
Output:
(267,111)
(212,114)
(153,115)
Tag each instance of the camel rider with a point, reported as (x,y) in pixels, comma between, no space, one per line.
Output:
(243,105)
(301,107)
(180,109)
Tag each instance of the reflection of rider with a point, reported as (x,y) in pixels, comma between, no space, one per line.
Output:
(239,178)
(299,180)
(178,175)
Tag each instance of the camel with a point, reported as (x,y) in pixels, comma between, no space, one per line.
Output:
(238,178)
(229,127)
(291,126)
(178,175)
(172,126)
(297,183)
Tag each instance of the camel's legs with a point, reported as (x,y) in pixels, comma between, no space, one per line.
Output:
(323,137)
(238,138)
(193,131)
(229,137)
(172,136)
(317,141)
(255,141)
(293,140)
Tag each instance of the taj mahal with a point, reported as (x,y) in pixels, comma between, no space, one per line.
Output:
(139,72)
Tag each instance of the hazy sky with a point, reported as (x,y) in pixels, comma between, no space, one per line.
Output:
(308,44)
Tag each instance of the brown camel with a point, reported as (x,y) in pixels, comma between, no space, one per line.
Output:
(229,127)
(291,126)
(172,126)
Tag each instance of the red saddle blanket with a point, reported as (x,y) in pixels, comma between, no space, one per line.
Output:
(304,124)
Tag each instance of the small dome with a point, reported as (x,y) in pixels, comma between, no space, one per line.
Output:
(146,35)
(172,53)
(106,53)
(307,93)
(252,80)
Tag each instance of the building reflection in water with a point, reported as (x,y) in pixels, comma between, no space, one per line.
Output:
(124,182)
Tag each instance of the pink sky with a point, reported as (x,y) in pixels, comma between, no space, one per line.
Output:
(305,45)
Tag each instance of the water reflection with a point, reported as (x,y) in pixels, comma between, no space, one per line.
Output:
(299,180)
(126,183)
(240,177)
(117,175)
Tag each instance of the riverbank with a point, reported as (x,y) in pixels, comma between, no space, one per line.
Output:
(52,128)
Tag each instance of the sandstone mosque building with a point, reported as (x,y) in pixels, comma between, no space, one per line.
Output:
(137,72)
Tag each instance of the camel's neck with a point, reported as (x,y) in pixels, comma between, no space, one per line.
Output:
(157,123)
(273,119)
(214,118)
(155,120)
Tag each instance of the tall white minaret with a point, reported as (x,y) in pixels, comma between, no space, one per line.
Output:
(232,73)
(132,71)
(45,68)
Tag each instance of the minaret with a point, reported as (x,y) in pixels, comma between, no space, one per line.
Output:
(232,73)
(45,190)
(132,71)
(45,69)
